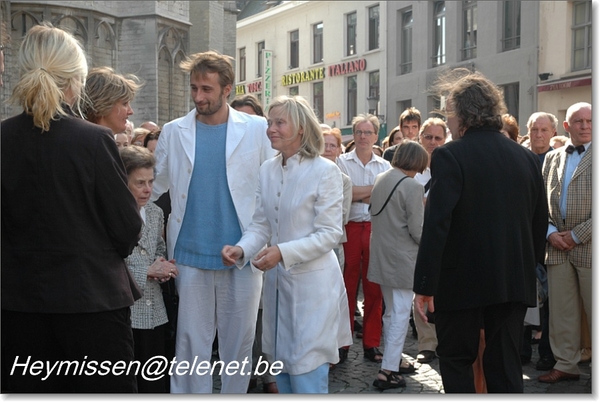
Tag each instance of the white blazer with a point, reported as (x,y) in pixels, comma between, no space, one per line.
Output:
(247,147)
(305,307)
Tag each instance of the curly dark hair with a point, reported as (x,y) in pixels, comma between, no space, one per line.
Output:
(474,99)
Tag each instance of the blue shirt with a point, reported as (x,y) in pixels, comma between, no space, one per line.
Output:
(570,165)
(210,219)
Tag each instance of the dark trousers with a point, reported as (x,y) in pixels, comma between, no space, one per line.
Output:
(149,343)
(458,344)
(81,348)
(544,348)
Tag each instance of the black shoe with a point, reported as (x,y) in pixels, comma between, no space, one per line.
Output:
(546,363)
(392,380)
(343,353)
(357,326)
(406,370)
(425,356)
(373,354)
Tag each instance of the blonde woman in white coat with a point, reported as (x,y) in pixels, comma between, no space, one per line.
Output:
(299,213)
(397,221)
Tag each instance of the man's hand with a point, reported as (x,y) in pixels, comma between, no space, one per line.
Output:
(420,301)
(562,241)
(230,254)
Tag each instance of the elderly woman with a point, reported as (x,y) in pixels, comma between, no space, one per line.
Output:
(299,214)
(397,221)
(148,266)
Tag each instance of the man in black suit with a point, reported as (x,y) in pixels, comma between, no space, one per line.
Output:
(483,233)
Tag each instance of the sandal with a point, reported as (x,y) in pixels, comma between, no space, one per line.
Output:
(374,355)
(405,369)
(392,380)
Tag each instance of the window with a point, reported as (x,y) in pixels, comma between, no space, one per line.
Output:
(318,100)
(294,91)
(352,97)
(511,98)
(406,53)
(374,88)
(582,35)
(318,42)
(439,33)
(401,106)
(351,34)
(374,27)
(242,64)
(469,30)
(260,46)
(294,49)
(434,103)
(511,37)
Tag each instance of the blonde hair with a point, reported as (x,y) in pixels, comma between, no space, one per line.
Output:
(52,64)
(104,88)
(139,134)
(302,116)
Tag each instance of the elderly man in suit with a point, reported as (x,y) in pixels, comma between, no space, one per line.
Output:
(478,254)
(567,173)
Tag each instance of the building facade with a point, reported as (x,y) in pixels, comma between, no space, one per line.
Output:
(332,53)
(145,38)
(325,51)
(496,38)
(565,56)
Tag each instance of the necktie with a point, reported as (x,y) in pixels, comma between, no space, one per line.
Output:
(570,149)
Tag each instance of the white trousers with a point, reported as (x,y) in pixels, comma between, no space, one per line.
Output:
(223,301)
(396,318)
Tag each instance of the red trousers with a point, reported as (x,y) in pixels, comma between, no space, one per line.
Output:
(356,266)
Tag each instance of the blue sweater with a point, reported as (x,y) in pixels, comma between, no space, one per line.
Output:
(210,219)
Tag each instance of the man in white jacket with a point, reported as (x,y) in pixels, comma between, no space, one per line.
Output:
(209,160)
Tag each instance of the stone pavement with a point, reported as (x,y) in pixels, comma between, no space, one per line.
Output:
(356,374)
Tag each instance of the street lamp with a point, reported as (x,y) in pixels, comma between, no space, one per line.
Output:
(374,105)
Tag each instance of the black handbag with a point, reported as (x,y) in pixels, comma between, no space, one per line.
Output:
(388,199)
(171,299)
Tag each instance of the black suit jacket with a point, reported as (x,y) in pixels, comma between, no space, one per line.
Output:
(68,219)
(485,223)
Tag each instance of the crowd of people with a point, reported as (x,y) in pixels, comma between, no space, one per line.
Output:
(260,226)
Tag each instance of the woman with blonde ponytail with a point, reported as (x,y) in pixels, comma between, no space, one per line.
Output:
(68,220)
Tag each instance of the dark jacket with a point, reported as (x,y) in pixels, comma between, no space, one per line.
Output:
(68,219)
(485,223)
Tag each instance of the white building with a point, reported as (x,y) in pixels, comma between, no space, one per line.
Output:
(496,38)
(332,53)
(565,57)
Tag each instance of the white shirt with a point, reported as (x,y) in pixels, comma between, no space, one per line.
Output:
(361,175)
(423,178)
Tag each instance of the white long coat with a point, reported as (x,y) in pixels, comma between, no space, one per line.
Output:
(247,147)
(305,307)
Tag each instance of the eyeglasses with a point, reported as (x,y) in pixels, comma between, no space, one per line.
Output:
(367,133)
(430,137)
(332,146)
